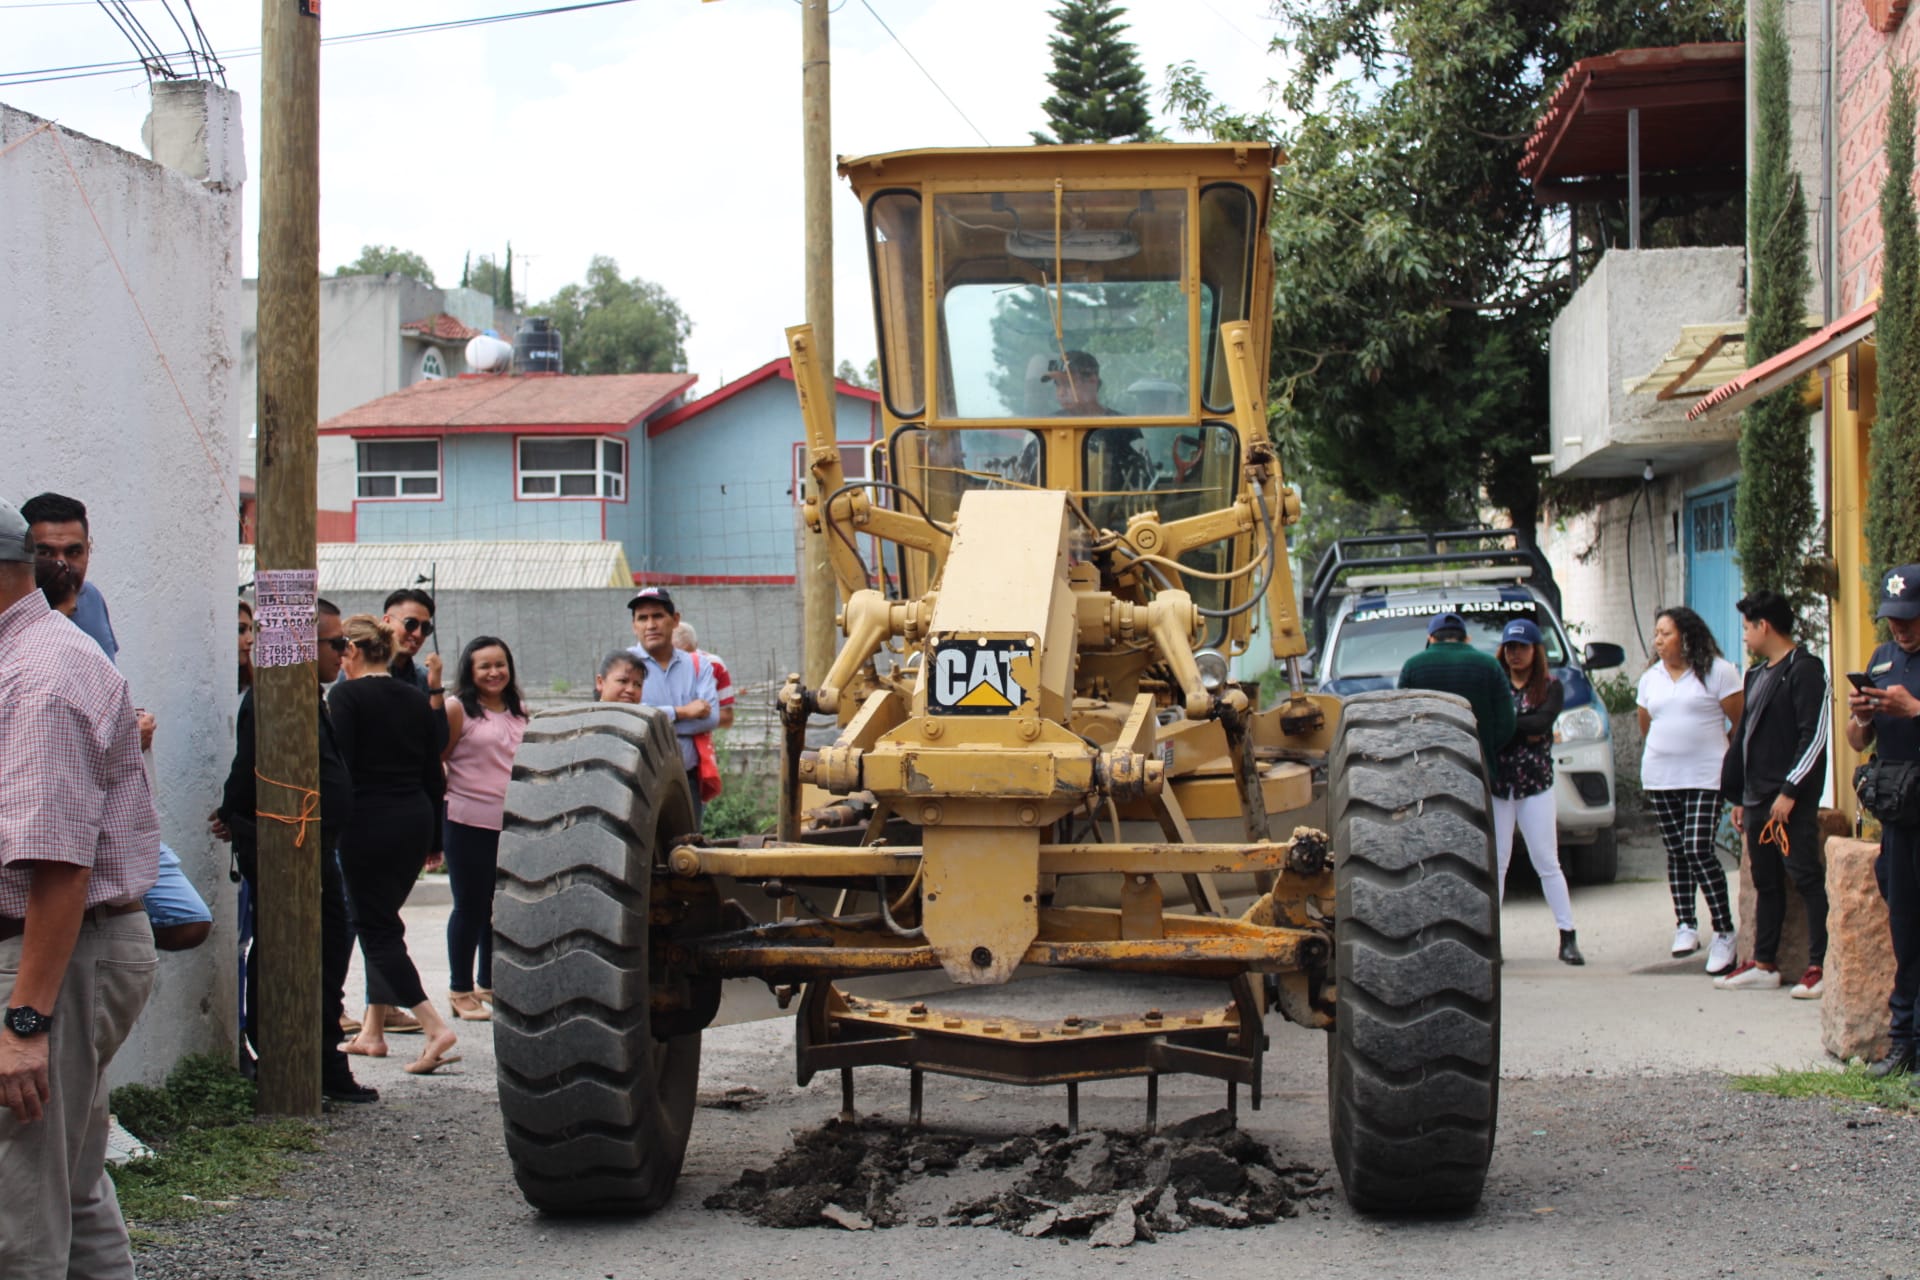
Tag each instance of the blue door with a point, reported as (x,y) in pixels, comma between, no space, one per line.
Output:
(1713,579)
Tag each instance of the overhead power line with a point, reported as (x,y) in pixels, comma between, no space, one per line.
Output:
(923,71)
(81,71)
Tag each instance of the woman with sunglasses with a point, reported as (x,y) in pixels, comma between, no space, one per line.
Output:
(387,733)
(485,719)
(1523,776)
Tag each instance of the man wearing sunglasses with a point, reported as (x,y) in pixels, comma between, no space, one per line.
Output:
(409,611)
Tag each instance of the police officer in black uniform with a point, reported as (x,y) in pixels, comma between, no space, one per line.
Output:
(1887,715)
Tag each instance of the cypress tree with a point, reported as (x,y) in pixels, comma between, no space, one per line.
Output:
(1099,90)
(1893,450)
(1775,511)
(466,269)
(506,282)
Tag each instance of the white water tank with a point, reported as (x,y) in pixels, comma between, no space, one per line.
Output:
(487,353)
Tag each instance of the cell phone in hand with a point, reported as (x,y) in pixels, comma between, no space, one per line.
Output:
(1860,680)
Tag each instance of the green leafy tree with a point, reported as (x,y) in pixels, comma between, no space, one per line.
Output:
(495,279)
(869,378)
(1417,277)
(380,259)
(610,324)
(1893,454)
(1099,90)
(1774,508)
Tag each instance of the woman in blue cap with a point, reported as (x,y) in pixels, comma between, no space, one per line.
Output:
(1523,775)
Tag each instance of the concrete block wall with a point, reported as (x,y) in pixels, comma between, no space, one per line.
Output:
(91,411)
(559,637)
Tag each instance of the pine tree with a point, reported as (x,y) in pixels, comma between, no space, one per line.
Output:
(505,297)
(1775,511)
(1099,90)
(1893,453)
(466,269)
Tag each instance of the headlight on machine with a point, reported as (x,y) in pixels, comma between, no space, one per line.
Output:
(1582,724)
(1213,669)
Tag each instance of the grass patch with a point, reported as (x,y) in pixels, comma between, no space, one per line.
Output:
(1847,1084)
(208,1147)
(746,806)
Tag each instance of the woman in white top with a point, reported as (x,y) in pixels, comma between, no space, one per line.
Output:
(1686,699)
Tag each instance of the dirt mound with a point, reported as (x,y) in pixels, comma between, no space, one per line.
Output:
(1110,1187)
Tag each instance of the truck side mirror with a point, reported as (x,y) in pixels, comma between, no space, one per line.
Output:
(1601,656)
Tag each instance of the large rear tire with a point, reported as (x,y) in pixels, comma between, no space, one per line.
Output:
(1413,1060)
(597,1106)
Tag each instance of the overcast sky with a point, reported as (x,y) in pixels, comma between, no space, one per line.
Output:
(665,133)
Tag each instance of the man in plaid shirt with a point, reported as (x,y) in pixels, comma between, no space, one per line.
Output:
(79,842)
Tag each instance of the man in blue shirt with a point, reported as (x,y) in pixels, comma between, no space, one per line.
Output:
(672,684)
(58,525)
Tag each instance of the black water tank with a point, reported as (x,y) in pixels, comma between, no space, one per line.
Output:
(536,348)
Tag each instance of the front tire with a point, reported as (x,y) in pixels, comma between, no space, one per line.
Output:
(597,1107)
(1413,1060)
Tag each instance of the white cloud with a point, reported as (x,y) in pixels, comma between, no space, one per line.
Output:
(665,133)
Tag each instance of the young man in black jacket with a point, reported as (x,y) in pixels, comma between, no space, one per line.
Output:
(1775,770)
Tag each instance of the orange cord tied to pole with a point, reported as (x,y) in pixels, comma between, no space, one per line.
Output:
(1775,834)
(309,808)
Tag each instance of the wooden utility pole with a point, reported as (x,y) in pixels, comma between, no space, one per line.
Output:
(285,686)
(820,595)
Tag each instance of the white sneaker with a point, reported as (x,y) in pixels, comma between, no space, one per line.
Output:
(1749,976)
(1720,954)
(1686,940)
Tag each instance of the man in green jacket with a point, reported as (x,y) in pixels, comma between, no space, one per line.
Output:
(1450,665)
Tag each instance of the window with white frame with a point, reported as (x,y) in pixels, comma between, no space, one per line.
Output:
(572,467)
(398,468)
(431,366)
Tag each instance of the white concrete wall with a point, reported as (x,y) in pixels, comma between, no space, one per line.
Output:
(1615,330)
(90,411)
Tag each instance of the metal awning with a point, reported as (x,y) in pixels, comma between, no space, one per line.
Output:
(1787,368)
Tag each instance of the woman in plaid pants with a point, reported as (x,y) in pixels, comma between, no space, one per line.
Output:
(1686,699)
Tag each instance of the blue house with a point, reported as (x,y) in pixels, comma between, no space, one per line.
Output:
(695,492)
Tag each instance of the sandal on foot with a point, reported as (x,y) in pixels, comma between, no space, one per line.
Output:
(359,1050)
(427,1066)
(401,1022)
(467,1007)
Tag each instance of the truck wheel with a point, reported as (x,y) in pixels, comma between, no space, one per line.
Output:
(1596,863)
(1413,1060)
(597,1107)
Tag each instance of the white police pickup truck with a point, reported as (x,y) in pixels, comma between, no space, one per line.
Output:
(1369,603)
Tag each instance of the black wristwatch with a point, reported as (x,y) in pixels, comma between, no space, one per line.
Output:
(432,693)
(25,1020)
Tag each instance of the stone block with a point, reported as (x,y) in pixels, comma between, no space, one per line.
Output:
(1859,968)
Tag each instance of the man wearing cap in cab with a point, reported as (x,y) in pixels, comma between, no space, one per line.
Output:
(79,845)
(1450,665)
(672,683)
(1886,714)
(1076,381)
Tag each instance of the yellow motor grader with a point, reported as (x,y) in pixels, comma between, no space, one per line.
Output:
(1073,524)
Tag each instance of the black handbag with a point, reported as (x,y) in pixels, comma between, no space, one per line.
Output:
(1890,790)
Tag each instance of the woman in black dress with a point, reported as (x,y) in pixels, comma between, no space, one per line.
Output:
(386,733)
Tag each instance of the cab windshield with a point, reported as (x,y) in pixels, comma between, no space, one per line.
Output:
(1377,640)
(1035,282)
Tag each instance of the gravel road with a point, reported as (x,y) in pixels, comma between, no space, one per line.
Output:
(1621,1151)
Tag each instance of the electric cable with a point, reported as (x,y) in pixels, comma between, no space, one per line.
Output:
(923,71)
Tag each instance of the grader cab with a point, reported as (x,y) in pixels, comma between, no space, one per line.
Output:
(1074,523)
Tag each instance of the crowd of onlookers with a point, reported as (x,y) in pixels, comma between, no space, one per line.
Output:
(1752,745)
(414,763)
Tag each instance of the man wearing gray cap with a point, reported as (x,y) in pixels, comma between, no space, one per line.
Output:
(1886,713)
(79,845)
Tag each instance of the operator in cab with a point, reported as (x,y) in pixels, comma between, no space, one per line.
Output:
(1076,382)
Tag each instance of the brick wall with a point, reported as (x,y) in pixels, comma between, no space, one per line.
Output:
(1863,63)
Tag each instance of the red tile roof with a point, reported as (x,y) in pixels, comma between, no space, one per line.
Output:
(1692,103)
(529,403)
(781,368)
(442,326)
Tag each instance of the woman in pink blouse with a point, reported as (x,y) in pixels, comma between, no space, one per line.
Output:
(485,720)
